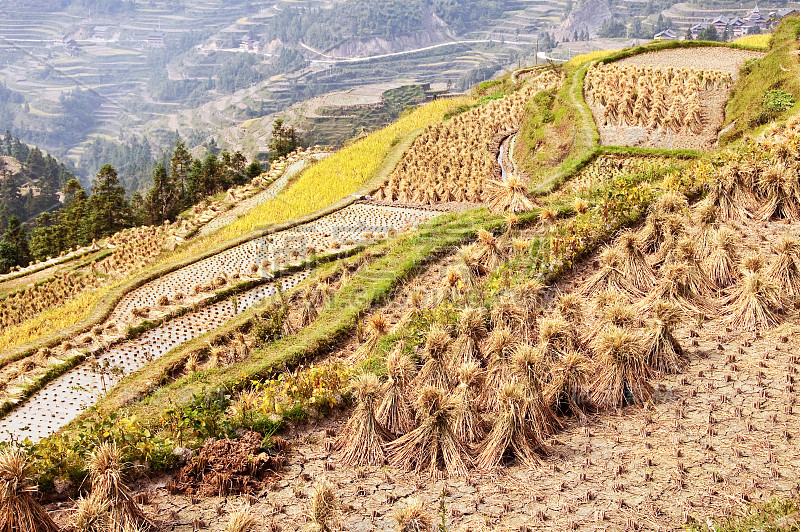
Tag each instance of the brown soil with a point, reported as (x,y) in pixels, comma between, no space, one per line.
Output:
(224,467)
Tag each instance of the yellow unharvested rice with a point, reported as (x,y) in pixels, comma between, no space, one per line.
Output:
(759,41)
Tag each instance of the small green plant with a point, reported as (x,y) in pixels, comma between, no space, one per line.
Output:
(777,101)
(442,526)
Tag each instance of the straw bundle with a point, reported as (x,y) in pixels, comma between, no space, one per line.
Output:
(610,276)
(568,390)
(377,327)
(621,372)
(107,487)
(632,262)
(363,438)
(471,329)
(491,254)
(662,351)
(784,270)
(755,304)
(394,412)
(530,370)
(434,371)
(468,425)
(432,446)
(324,506)
(510,435)
(19,512)
(412,517)
(509,195)
(721,262)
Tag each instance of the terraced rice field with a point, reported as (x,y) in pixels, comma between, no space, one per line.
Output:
(339,231)
(64,398)
(292,170)
(684,108)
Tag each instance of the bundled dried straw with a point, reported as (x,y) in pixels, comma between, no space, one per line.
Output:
(721,262)
(784,270)
(779,191)
(377,327)
(91,515)
(570,307)
(241,520)
(506,313)
(557,336)
(707,225)
(685,252)
(756,303)
(468,425)
(568,390)
(499,349)
(531,295)
(610,276)
(471,330)
(665,223)
(680,285)
(633,263)
(324,506)
(411,517)
(509,195)
(621,372)
(491,254)
(432,446)
(662,351)
(415,303)
(531,371)
(471,257)
(105,474)
(451,287)
(395,412)
(19,512)
(618,312)
(434,371)
(363,438)
(511,434)
(728,193)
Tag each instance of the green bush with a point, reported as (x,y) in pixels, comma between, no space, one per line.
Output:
(777,101)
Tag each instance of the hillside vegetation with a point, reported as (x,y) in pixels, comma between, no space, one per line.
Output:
(486,314)
(771,85)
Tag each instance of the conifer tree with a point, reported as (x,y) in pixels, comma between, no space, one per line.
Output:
(108,209)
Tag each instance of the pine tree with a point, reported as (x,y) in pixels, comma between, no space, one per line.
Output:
(161,202)
(179,167)
(284,139)
(109,211)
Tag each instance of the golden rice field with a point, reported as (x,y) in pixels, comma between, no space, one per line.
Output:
(341,174)
(344,173)
(758,41)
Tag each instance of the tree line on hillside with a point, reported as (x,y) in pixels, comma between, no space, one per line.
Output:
(104,209)
(328,27)
(30,182)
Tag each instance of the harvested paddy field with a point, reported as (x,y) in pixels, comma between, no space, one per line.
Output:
(618,352)
(671,99)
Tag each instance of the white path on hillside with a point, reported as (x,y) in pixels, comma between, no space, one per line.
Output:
(65,398)
(333,60)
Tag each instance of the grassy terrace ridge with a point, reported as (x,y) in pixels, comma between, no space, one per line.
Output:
(133,332)
(777,70)
(398,259)
(568,107)
(302,201)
